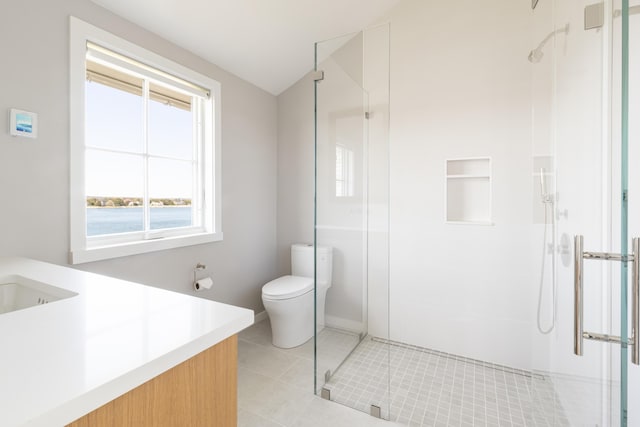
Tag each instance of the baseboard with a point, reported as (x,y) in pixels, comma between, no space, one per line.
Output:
(344,324)
(330,321)
(259,317)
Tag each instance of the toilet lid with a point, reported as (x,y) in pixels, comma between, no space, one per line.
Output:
(287,287)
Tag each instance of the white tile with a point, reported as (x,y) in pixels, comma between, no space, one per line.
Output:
(428,388)
(304,351)
(280,402)
(258,333)
(322,413)
(249,419)
(266,360)
(251,384)
(299,374)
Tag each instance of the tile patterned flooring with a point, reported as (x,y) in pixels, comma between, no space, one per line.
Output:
(275,387)
(428,388)
(432,388)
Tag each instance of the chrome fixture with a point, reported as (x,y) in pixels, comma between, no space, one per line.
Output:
(199,267)
(594,16)
(547,203)
(375,411)
(633,10)
(534,3)
(317,75)
(536,54)
(578,333)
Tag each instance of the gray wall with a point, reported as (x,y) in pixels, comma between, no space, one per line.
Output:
(295,169)
(34,174)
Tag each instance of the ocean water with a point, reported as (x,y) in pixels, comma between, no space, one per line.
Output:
(101,221)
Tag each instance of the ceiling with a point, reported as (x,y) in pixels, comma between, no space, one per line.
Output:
(266,42)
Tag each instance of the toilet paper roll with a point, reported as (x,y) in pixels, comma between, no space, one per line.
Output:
(204,283)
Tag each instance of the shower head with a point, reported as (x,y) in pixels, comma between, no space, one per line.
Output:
(535,55)
(534,3)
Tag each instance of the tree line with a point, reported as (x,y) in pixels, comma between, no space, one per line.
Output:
(134,201)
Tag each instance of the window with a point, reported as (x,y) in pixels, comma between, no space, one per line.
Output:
(344,171)
(145,150)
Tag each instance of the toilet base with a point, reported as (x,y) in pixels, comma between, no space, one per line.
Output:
(291,320)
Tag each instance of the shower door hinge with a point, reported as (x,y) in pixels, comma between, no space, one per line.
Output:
(325,393)
(375,411)
(318,75)
(594,16)
(366,115)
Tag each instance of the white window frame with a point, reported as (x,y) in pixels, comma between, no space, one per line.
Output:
(85,249)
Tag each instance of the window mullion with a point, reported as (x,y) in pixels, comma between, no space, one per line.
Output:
(145,153)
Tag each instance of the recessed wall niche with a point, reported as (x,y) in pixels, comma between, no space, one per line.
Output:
(468,190)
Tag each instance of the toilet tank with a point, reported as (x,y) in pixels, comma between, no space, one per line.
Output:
(302,261)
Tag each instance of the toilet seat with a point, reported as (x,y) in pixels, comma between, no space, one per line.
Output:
(287,287)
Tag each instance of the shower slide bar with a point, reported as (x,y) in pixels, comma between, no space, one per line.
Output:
(579,335)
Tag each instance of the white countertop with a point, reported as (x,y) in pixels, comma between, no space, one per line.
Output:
(61,360)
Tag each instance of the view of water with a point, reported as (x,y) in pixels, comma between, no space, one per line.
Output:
(102,221)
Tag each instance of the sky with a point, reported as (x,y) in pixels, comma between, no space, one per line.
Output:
(114,120)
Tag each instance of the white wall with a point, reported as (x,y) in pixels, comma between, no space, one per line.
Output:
(34,174)
(460,87)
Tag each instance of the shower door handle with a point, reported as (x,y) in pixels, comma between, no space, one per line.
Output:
(578,281)
(635,303)
(578,257)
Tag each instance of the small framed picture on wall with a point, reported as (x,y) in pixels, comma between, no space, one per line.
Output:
(23,123)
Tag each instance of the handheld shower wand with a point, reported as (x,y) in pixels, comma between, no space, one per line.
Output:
(547,200)
(543,187)
(545,197)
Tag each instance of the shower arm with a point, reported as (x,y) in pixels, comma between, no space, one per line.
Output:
(633,10)
(553,33)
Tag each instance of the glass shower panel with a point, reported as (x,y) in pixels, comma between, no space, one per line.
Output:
(631,125)
(340,220)
(351,217)
(584,387)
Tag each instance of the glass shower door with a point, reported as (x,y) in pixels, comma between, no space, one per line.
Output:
(630,137)
(587,375)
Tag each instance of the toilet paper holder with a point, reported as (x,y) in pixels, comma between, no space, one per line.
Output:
(199,267)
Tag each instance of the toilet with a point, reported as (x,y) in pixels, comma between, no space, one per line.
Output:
(289,299)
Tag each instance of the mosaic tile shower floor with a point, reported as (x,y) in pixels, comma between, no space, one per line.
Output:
(431,388)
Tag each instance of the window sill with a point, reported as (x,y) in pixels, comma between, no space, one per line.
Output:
(99,253)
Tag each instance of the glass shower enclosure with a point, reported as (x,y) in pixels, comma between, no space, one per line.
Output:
(485,269)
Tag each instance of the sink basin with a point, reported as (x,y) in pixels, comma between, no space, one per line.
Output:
(18,292)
